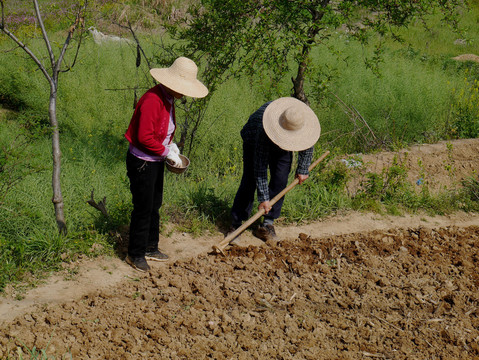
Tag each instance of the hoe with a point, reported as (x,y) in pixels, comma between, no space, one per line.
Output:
(218,249)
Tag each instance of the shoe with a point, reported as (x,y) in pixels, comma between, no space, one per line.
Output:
(156,255)
(138,263)
(265,233)
(237,239)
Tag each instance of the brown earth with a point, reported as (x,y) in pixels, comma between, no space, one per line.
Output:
(438,166)
(467,57)
(353,286)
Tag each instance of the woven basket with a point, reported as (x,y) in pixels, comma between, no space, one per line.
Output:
(178,170)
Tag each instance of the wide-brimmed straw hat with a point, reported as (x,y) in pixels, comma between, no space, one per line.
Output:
(291,124)
(181,78)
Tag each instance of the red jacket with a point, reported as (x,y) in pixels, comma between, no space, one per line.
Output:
(149,124)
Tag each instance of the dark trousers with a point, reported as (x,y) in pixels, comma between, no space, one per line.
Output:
(279,164)
(146,186)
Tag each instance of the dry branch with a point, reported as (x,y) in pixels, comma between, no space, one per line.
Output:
(101,206)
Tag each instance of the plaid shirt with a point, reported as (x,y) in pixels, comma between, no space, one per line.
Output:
(253,134)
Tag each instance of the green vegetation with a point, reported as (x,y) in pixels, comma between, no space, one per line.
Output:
(421,95)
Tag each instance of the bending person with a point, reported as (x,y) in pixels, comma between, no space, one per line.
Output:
(270,136)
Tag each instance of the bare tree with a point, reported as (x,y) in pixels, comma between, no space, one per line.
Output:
(52,75)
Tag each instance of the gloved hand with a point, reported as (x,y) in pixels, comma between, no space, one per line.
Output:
(174,158)
(173,147)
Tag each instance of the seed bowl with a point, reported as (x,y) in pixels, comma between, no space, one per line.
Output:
(185,162)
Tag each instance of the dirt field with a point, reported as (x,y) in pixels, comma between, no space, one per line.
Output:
(355,286)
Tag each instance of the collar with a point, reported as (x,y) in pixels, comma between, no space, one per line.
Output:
(168,97)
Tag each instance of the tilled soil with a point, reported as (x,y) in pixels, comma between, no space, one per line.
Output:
(398,294)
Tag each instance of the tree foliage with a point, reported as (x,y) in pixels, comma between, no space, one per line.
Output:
(266,37)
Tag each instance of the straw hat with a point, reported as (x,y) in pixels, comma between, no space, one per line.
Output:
(181,77)
(291,124)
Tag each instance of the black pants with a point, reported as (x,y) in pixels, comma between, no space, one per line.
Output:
(146,186)
(279,164)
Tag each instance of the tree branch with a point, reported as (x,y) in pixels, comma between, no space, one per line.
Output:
(2,24)
(71,31)
(28,51)
(137,42)
(101,206)
(44,33)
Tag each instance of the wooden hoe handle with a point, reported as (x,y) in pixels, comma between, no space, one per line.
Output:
(218,249)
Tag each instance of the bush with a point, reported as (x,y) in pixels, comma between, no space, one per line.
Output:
(464,118)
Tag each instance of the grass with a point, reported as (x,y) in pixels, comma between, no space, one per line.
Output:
(34,354)
(414,100)
(381,101)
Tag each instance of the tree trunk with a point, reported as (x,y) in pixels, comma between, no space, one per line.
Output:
(56,185)
(298,83)
(57,198)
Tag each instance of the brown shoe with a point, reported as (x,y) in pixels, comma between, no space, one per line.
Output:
(265,233)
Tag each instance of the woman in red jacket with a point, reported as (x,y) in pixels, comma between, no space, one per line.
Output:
(150,135)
